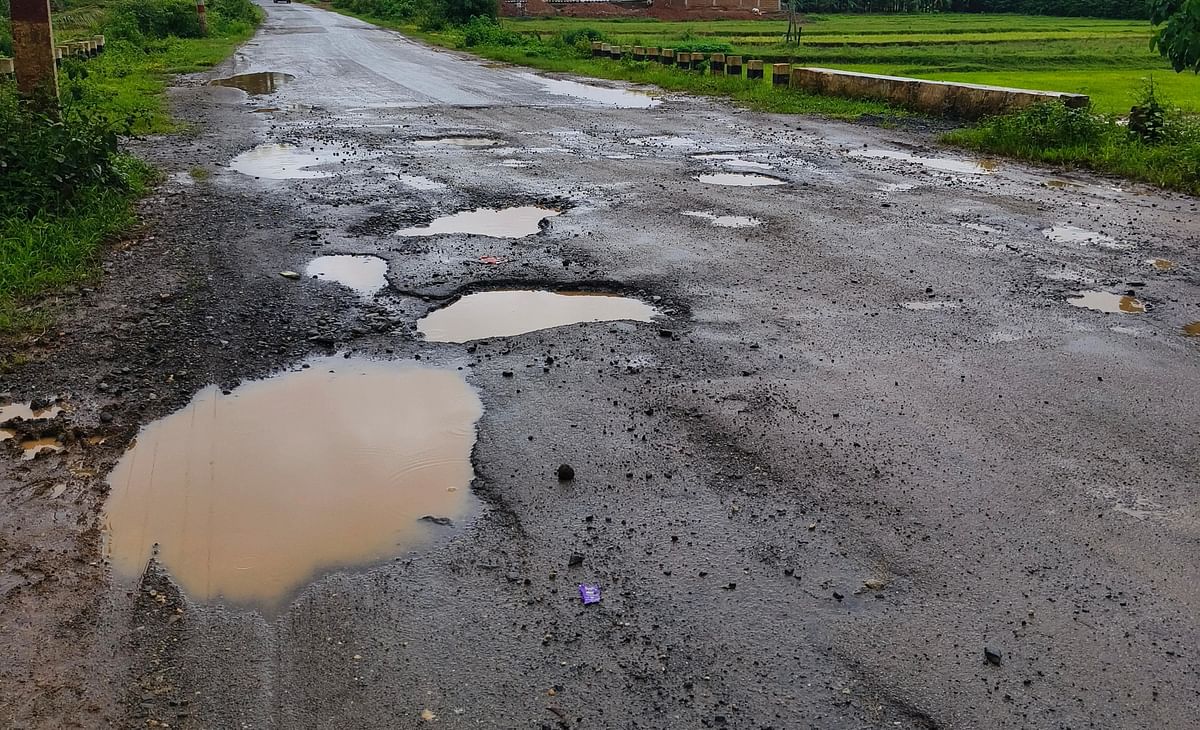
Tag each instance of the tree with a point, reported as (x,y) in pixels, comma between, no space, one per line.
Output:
(1179,38)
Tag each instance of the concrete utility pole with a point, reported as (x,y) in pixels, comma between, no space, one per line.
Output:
(202,12)
(33,48)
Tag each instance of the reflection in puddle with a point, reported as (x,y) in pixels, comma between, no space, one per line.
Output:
(1060,184)
(1102,301)
(253,494)
(1072,234)
(725,221)
(36,446)
(516,222)
(740,179)
(23,410)
(266,82)
(6,434)
(1161,264)
(944,164)
(1192,330)
(288,162)
(621,98)
(457,142)
(732,160)
(507,313)
(931,304)
(364,274)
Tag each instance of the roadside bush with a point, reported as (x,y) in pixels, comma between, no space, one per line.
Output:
(461,12)
(137,20)
(483,31)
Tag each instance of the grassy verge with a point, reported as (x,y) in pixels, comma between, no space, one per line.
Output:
(68,189)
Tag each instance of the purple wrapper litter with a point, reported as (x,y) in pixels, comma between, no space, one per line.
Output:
(589,593)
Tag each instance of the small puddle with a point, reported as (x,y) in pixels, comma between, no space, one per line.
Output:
(1102,301)
(724,221)
(620,98)
(731,160)
(1161,264)
(515,222)
(1060,184)
(1192,329)
(34,447)
(364,274)
(1072,234)
(507,313)
(662,141)
(251,495)
(457,142)
(930,304)
(23,410)
(944,164)
(255,84)
(416,182)
(275,161)
(6,434)
(739,179)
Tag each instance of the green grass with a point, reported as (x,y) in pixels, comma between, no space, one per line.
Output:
(1107,59)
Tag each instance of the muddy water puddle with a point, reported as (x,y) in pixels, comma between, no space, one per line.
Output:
(739,179)
(515,312)
(33,447)
(516,222)
(457,142)
(1161,264)
(1192,329)
(251,495)
(364,274)
(255,84)
(274,161)
(620,98)
(1102,301)
(25,411)
(942,164)
(724,221)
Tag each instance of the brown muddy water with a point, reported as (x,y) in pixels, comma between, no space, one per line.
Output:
(1192,329)
(255,84)
(516,222)
(253,494)
(22,410)
(34,447)
(515,312)
(1102,301)
(739,179)
(364,274)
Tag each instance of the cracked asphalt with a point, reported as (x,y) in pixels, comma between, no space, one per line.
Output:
(867,437)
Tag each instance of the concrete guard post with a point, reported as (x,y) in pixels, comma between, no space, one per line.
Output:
(966,101)
(716,63)
(668,56)
(626,51)
(781,74)
(639,53)
(733,65)
(6,67)
(683,59)
(33,48)
(652,54)
(597,49)
(697,61)
(616,52)
(99,41)
(754,69)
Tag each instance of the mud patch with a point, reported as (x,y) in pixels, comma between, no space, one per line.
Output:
(739,179)
(1102,301)
(255,84)
(619,98)
(364,274)
(457,142)
(1192,329)
(724,221)
(516,222)
(251,495)
(1161,264)
(33,447)
(942,164)
(274,161)
(515,312)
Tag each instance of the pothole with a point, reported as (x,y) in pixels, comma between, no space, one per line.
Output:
(416,182)
(27,412)
(255,84)
(516,222)
(943,164)
(724,221)
(931,304)
(457,142)
(739,179)
(275,161)
(33,447)
(1161,264)
(663,140)
(364,274)
(620,98)
(253,494)
(732,160)
(1102,301)
(1192,329)
(1073,234)
(514,312)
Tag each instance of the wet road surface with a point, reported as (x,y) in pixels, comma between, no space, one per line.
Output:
(868,432)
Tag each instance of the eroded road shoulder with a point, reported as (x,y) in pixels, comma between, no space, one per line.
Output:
(840,411)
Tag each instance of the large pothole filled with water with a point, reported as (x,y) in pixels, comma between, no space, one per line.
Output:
(515,222)
(740,179)
(1108,302)
(255,84)
(364,274)
(506,313)
(275,161)
(252,494)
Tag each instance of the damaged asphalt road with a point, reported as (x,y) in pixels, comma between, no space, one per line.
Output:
(874,460)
